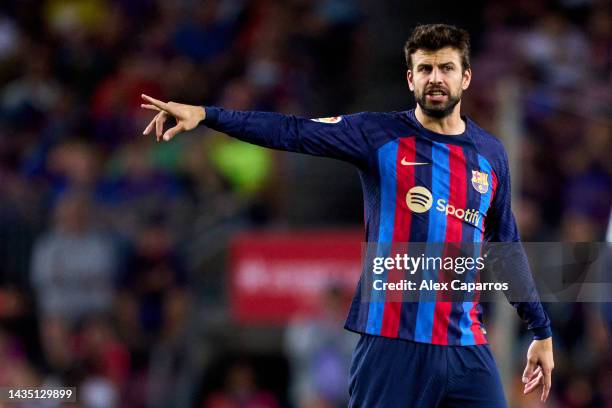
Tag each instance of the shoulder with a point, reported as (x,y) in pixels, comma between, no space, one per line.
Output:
(377,116)
(369,116)
(485,141)
(393,125)
(490,147)
(389,123)
(377,127)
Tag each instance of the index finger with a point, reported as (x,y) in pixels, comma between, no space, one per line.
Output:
(161,105)
(546,387)
(535,373)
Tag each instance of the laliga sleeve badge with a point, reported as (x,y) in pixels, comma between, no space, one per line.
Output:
(331,119)
(480,181)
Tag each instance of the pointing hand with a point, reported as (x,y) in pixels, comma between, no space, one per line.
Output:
(187,117)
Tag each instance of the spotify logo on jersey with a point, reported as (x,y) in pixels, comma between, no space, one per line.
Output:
(419,199)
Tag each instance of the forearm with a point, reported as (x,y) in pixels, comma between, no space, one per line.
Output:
(265,129)
(529,307)
(339,139)
(536,318)
(511,266)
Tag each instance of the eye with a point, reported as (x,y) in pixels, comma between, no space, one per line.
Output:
(448,67)
(424,68)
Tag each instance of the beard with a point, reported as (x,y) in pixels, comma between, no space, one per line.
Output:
(437,110)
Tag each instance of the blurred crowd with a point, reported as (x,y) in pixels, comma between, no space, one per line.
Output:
(560,56)
(104,231)
(563,60)
(108,239)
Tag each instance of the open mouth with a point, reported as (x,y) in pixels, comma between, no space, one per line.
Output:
(436,95)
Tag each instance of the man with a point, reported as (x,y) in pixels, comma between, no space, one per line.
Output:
(411,354)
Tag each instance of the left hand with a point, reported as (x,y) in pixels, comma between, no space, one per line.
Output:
(540,364)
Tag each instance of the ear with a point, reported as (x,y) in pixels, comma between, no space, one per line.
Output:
(410,79)
(467,77)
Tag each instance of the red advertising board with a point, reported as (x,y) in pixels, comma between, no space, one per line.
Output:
(276,275)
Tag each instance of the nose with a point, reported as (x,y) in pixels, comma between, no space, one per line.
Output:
(434,78)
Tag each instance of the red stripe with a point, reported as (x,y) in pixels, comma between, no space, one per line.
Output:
(401,233)
(457,197)
(493,184)
(492,197)
(476,326)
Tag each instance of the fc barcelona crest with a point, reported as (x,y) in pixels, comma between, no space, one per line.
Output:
(480,181)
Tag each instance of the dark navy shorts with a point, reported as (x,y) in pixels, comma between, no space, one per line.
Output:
(395,373)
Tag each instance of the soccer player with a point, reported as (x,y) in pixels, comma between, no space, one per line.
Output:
(411,354)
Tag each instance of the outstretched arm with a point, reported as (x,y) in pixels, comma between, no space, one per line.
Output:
(340,137)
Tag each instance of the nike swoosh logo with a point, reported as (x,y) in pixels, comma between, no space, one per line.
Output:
(407,163)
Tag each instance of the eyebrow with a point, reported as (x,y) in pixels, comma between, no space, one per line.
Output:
(423,64)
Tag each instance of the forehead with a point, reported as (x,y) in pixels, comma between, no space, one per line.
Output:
(441,56)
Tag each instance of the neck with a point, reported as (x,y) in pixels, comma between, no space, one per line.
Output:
(448,125)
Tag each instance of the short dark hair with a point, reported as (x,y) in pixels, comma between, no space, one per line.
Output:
(432,37)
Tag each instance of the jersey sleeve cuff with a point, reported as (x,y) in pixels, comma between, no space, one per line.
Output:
(541,333)
(212,115)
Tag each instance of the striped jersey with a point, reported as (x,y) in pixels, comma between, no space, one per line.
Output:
(406,172)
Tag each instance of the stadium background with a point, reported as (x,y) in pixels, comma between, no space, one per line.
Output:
(116,252)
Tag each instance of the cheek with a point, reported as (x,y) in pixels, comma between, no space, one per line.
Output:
(458,84)
(420,84)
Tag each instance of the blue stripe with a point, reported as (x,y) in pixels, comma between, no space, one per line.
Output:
(387,157)
(436,232)
(467,337)
(473,198)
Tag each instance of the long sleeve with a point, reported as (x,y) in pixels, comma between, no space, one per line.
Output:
(340,137)
(512,263)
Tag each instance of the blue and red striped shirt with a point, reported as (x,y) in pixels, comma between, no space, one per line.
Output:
(404,166)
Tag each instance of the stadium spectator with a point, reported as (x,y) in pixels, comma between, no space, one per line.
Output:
(319,351)
(73,265)
(241,391)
